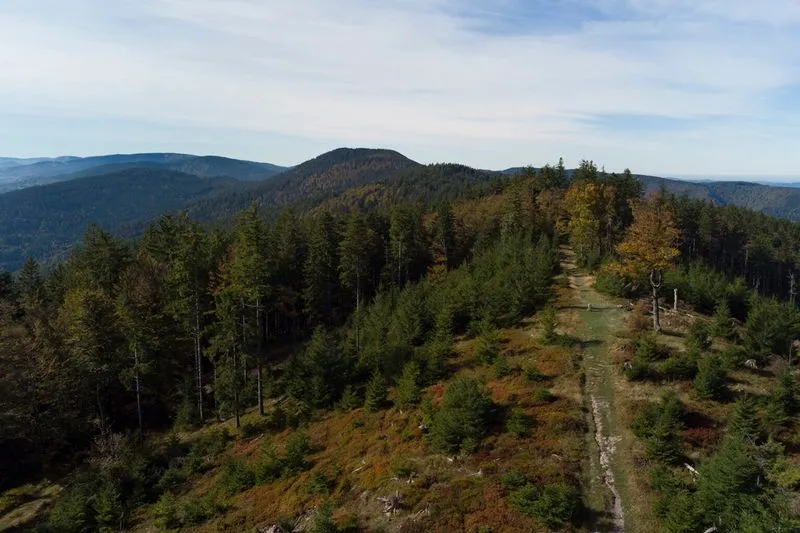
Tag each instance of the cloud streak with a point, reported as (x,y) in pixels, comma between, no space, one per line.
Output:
(438,79)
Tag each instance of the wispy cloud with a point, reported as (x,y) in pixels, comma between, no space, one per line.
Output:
(662,86)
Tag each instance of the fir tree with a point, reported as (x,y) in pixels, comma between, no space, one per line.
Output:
(408,391)
(377,389)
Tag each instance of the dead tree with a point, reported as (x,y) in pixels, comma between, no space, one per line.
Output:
(391,504)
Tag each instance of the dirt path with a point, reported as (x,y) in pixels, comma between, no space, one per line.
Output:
(595,318)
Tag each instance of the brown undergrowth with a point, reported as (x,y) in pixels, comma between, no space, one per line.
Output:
(366,456)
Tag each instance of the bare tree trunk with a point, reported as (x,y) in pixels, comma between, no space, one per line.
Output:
(399,262)
(138,391)
(675,301)
(259,357)
(216,399)
(655,284)
(244,347)
(198,360)
(100,411)
(358,309)
(235,391)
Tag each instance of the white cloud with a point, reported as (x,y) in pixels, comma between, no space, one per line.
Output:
(414,75)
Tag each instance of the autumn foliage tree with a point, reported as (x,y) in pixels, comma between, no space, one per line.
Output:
(649,247)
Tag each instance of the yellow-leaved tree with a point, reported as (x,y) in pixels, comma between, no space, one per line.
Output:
(649,246)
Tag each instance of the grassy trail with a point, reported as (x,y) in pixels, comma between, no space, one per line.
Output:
(595,318)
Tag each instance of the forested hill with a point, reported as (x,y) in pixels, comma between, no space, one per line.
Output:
(21,173)
(309,183)
(44,222)
(783,202)
(124,192)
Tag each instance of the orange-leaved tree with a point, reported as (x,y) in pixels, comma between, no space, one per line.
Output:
(649,246)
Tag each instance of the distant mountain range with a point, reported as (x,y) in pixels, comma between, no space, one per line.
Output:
(778,201)
(46,204)
(22,173)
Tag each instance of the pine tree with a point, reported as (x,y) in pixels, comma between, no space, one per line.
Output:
(29,286)
(139,310)
(240,303)
(6,285)
(320,272)
(90,334)
(548,320)
(354,265)
(288,252)
(743,422)
(98,262)
(721,322)
(728,483)
(403,243)
(408,390)
(375,397)
(710,382)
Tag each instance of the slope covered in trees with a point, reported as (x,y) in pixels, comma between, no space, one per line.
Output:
(18,174)
(309,183)
(188,326)
(774,200)
(376,354)
(45,222)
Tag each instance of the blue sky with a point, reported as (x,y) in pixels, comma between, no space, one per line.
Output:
(670,87)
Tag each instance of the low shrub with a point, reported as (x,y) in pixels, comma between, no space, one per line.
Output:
(512,479)
(296,451)
(166,512)
(518,422)
(548,321)
(275,418)
(679,367)
(252,429)
(647,349)
(533,374)
(501,368)
(268,467)
(552,505)
(200,509)
(236,477)
(489,345)
(542,396)
(319,483)
(638,370)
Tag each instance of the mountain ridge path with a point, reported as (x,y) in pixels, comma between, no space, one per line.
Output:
(593,319)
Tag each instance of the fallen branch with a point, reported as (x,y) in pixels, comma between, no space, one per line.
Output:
(360,468)
(275,528)
(423,512)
